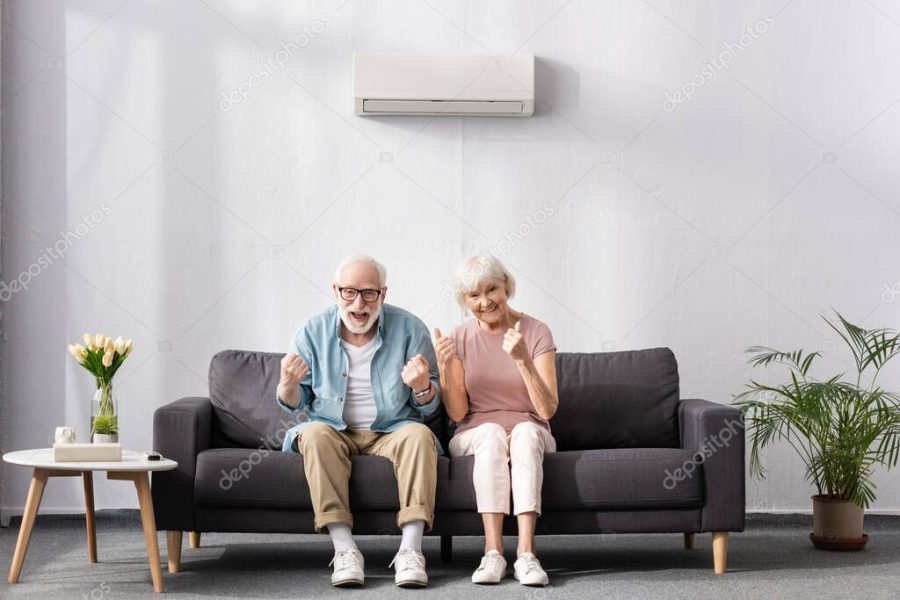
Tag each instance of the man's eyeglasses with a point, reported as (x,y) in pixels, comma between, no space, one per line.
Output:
(350,294)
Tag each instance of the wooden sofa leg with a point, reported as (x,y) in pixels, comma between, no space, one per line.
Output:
(689,540)
(446,548)
(194,539)
(173,550)
(720,551)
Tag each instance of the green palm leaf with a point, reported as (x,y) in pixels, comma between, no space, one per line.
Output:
(841,431)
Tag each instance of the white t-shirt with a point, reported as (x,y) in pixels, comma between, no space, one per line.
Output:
(359,405)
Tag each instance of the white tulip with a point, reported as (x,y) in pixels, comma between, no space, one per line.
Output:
(108,358)
(99,340)
(88,340)
(110,345)
(78,351)
(120,345)
(128,347)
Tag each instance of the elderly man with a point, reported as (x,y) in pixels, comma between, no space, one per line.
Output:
(366,375)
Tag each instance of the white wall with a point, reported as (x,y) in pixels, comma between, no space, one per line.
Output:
(734,218)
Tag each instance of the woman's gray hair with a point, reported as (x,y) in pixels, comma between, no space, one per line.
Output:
(475,270)
(365,259)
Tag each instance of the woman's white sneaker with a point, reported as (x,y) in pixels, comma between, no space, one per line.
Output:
(491,570)
(528,571)
(348,568)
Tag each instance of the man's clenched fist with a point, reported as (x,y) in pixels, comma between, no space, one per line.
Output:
(415,373)
(293,369)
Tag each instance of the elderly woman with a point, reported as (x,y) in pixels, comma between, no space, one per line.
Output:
(498,377)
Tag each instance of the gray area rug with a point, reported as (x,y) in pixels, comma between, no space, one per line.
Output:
(773,558)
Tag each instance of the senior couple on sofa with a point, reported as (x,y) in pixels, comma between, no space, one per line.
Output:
(367,374)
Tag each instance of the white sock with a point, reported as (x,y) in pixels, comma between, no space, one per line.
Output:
(412,535)
(341,537)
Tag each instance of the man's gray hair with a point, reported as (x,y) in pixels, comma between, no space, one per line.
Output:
(365,259)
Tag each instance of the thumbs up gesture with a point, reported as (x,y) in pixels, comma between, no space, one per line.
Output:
(514,343)
(444,349)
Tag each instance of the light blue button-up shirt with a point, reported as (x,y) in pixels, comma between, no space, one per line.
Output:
(400,336)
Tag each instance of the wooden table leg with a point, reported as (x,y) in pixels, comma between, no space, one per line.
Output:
(194,539)
(142,483)
(35,492)
(88,477)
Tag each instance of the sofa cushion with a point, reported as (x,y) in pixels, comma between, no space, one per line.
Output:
(251,478)
(615,479)
(617,400)
(254,478)
(373,485)
(622,478)
(242,386)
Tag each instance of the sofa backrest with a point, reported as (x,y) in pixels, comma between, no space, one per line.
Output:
(626,399)
(242,386)
(606,400)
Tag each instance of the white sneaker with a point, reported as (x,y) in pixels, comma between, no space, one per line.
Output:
(528,570)
(410,569)
(491,570)
(348,568)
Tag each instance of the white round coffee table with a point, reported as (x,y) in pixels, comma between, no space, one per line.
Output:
(133,467)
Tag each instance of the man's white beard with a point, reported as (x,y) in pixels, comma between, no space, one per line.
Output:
(353,327)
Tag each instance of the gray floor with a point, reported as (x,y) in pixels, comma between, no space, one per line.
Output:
(771,559)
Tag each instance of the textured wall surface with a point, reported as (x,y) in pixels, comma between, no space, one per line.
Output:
(699,175)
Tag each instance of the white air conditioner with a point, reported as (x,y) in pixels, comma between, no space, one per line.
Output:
(413,83)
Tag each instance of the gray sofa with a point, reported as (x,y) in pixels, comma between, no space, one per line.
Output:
(632,458)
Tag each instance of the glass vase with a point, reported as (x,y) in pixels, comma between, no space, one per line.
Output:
(104,415)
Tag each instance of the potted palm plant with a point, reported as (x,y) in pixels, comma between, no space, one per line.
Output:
(841,428)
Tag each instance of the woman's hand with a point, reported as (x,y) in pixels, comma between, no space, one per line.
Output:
(453,377)
(514,344)
(444,348)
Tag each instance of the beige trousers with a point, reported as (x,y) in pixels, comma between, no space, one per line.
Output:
(326,461)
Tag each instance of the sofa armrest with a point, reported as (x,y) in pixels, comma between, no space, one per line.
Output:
(715,432)
(181,430)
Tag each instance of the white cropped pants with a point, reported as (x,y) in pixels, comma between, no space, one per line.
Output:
(503,461)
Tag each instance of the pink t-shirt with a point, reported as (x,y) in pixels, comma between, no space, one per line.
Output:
(497,392)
